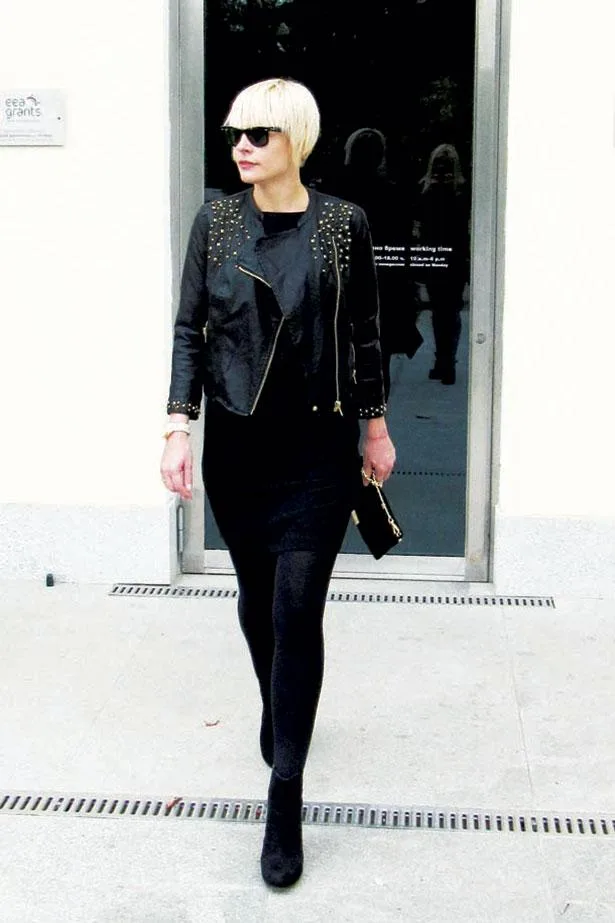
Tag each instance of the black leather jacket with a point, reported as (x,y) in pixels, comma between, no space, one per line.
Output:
(323,279)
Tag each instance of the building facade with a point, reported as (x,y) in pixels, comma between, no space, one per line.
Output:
(93,227)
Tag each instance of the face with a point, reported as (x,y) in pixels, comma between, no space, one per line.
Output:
(264,164)
(443,172)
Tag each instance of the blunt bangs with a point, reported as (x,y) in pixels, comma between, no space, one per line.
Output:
(281,104)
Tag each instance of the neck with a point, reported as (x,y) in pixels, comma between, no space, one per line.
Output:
(284,194)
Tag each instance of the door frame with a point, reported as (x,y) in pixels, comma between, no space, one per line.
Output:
(187,114)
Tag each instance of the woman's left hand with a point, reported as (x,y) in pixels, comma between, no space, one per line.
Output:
(378,450)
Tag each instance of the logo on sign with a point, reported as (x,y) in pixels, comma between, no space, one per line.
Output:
(22,108)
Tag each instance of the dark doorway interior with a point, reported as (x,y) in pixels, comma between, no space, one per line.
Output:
(395,85)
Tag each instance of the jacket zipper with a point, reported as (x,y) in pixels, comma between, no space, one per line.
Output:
(253,274)
(269,361)
(337,407)
(275,340)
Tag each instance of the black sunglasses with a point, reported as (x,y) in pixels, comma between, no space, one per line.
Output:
(259,137)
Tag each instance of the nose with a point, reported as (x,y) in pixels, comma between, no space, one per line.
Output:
(243,144)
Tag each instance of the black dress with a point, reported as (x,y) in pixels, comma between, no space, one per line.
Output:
(285,477)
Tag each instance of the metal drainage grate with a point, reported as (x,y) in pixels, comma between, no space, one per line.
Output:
(162,589)
(372,816)
(446,600)
(159,590)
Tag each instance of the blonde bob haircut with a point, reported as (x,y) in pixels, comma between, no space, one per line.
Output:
(279,103)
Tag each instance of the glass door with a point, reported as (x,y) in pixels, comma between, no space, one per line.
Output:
(395,82)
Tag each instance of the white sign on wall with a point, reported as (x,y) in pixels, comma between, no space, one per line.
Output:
(32,118)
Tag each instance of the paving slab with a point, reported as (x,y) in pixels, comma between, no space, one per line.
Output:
(580,873)
(562,661)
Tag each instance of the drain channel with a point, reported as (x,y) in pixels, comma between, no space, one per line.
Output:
(155,590)
(239,810)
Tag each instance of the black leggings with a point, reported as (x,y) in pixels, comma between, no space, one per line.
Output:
(281,605)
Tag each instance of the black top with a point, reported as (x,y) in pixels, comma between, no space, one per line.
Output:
(275,222)
(284,391)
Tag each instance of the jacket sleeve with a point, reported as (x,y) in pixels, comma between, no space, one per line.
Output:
(362,294)
(186,389)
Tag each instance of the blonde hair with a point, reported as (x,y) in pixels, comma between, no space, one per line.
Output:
(279,103)
(448,152)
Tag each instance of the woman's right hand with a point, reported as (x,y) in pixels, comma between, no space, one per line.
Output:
(176,465)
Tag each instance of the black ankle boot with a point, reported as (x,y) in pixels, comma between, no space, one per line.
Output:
(266,738)
(448,376)
(282,855)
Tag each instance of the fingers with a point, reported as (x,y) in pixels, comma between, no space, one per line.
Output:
(188,475)
(380,468)
(173,480)
(176,483)
(380,474)
(176,472)
(370,472)
(378,464)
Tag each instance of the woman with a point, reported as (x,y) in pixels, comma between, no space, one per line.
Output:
(365,181)
(278,325)
(443,212)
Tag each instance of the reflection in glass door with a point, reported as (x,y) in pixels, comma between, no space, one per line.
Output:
(395,84)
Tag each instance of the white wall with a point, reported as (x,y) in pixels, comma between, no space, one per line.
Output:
(86,277)
(86,282)
(557,452)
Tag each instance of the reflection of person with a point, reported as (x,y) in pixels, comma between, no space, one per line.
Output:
(441,224)
(282,280)
(364,180)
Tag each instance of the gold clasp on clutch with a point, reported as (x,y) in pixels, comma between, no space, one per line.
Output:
(371,478)
(378,484)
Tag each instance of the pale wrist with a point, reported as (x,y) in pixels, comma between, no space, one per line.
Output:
(376,428)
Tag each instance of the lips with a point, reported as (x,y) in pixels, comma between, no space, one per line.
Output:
(245,163)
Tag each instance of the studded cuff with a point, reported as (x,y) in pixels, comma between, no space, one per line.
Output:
(192,410)
(368,413)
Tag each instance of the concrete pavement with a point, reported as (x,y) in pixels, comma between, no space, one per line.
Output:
(473,707)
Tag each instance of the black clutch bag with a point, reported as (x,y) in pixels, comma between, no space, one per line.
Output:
(375,520)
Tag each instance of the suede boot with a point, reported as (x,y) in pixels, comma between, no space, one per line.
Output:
(282,855)
(266,737)
(448,376)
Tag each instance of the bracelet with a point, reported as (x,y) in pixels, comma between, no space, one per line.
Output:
(176,428)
